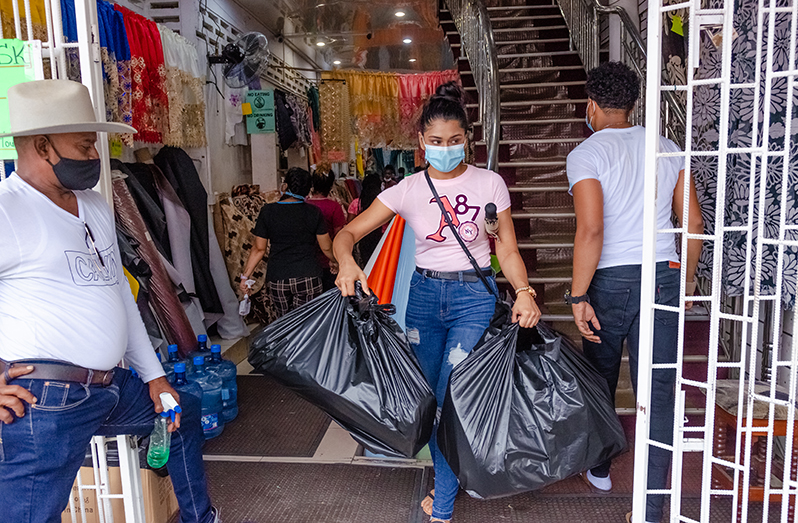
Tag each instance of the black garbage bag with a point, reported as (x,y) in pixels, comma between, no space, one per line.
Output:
(350,359)
(525,410)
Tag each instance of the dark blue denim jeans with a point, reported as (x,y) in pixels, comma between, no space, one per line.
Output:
(40,454)
(615,296)
(445,319)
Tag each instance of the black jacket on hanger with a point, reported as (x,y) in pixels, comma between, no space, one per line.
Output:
(178,167)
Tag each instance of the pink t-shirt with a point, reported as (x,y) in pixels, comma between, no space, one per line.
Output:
(466,196)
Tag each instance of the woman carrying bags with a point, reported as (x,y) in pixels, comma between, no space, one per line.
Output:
(449,306)
(295,230)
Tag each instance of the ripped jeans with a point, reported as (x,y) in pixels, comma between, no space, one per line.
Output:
(445,319)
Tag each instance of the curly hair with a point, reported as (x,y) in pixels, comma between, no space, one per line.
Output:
(612,85)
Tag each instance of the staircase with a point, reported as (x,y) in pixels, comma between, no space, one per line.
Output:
(542,119)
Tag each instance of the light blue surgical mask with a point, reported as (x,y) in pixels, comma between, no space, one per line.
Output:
(587,120)
(445,159)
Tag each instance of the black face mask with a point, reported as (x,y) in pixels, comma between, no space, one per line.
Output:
(75,175)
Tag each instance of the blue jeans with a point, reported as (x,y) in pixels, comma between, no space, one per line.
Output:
(40,454)
(615,296)
(445,319)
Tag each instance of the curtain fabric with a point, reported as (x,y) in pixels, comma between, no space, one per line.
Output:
(148,77)
(184,84)
(706,122)
(335,121)
(384,107)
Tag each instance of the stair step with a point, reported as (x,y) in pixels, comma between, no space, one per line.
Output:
(524,18)
(524,42)
(556,317)
(520,7)
(546,244)
(534,69)
(523,103)
(542,188)
(540,121)
(542,140)
(532,86)
(541,280)
(542,213)
(513,29)
(528,163)
(531,55)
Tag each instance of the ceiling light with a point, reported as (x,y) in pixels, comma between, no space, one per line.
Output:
(320,43)
(336,62)
(399,14)
(407,41)
(412,60)
(319,5)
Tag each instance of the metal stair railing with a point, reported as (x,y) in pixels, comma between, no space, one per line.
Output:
(583,20)
(476,38)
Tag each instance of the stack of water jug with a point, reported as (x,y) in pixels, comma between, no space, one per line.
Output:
(206,375)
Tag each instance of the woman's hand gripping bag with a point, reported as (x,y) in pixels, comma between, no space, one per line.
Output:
(350,359)
(525,410)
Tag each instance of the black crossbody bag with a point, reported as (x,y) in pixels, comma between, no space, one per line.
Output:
(503,309)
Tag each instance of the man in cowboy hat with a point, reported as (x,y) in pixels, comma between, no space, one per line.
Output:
(67,318)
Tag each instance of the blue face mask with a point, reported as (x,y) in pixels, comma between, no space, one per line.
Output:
(587,121)
(445,159)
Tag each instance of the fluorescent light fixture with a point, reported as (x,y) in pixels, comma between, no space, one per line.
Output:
(320,43)
(399,14)
(407,41)
(336,62)
(412,60)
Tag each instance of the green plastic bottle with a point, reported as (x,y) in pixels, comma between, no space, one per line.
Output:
(160,441)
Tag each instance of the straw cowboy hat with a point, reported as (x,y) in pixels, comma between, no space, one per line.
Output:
(55,107)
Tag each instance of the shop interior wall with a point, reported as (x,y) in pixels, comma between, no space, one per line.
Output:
(222,166)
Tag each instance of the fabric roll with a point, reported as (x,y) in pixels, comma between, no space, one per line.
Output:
(178,168)
(164,299)
(335,121)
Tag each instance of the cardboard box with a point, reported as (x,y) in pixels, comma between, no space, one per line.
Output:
(160,504)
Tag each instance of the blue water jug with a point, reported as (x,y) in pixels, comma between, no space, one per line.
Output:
(171,358)
(211,384)
(202,350)
(227,371)
(181,384)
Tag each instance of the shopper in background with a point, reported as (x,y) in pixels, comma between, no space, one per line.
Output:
(388,177)
(372,186)
(67,318)
(606,174)
(333,216)
(449,307)
(293,229)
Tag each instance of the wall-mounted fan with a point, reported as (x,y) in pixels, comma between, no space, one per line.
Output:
(244,60)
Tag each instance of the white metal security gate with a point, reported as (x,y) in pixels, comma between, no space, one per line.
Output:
(754,164)
(53,51)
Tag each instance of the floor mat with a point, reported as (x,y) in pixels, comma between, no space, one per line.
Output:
(311,493)
(272,421)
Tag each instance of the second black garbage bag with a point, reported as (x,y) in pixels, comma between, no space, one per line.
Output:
(350,359)
(525,410)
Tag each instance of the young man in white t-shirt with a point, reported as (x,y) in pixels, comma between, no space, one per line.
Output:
(606,177)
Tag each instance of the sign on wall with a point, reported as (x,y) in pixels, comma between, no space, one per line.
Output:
(20,61)
(260,111)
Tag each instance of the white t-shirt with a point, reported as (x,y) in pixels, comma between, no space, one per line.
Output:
(616,158)
(56,300)
(466,195)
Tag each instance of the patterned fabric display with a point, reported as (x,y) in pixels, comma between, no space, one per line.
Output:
(184,84)
(706,121)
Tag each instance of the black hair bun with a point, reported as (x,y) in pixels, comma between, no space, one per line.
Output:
(451,91)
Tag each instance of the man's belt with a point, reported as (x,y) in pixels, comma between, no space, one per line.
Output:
(55,370)
(469,276)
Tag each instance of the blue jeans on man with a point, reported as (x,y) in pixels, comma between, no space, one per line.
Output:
(40,454)
(445,319)
(615,296)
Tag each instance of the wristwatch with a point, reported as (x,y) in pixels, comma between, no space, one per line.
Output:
(575,299)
